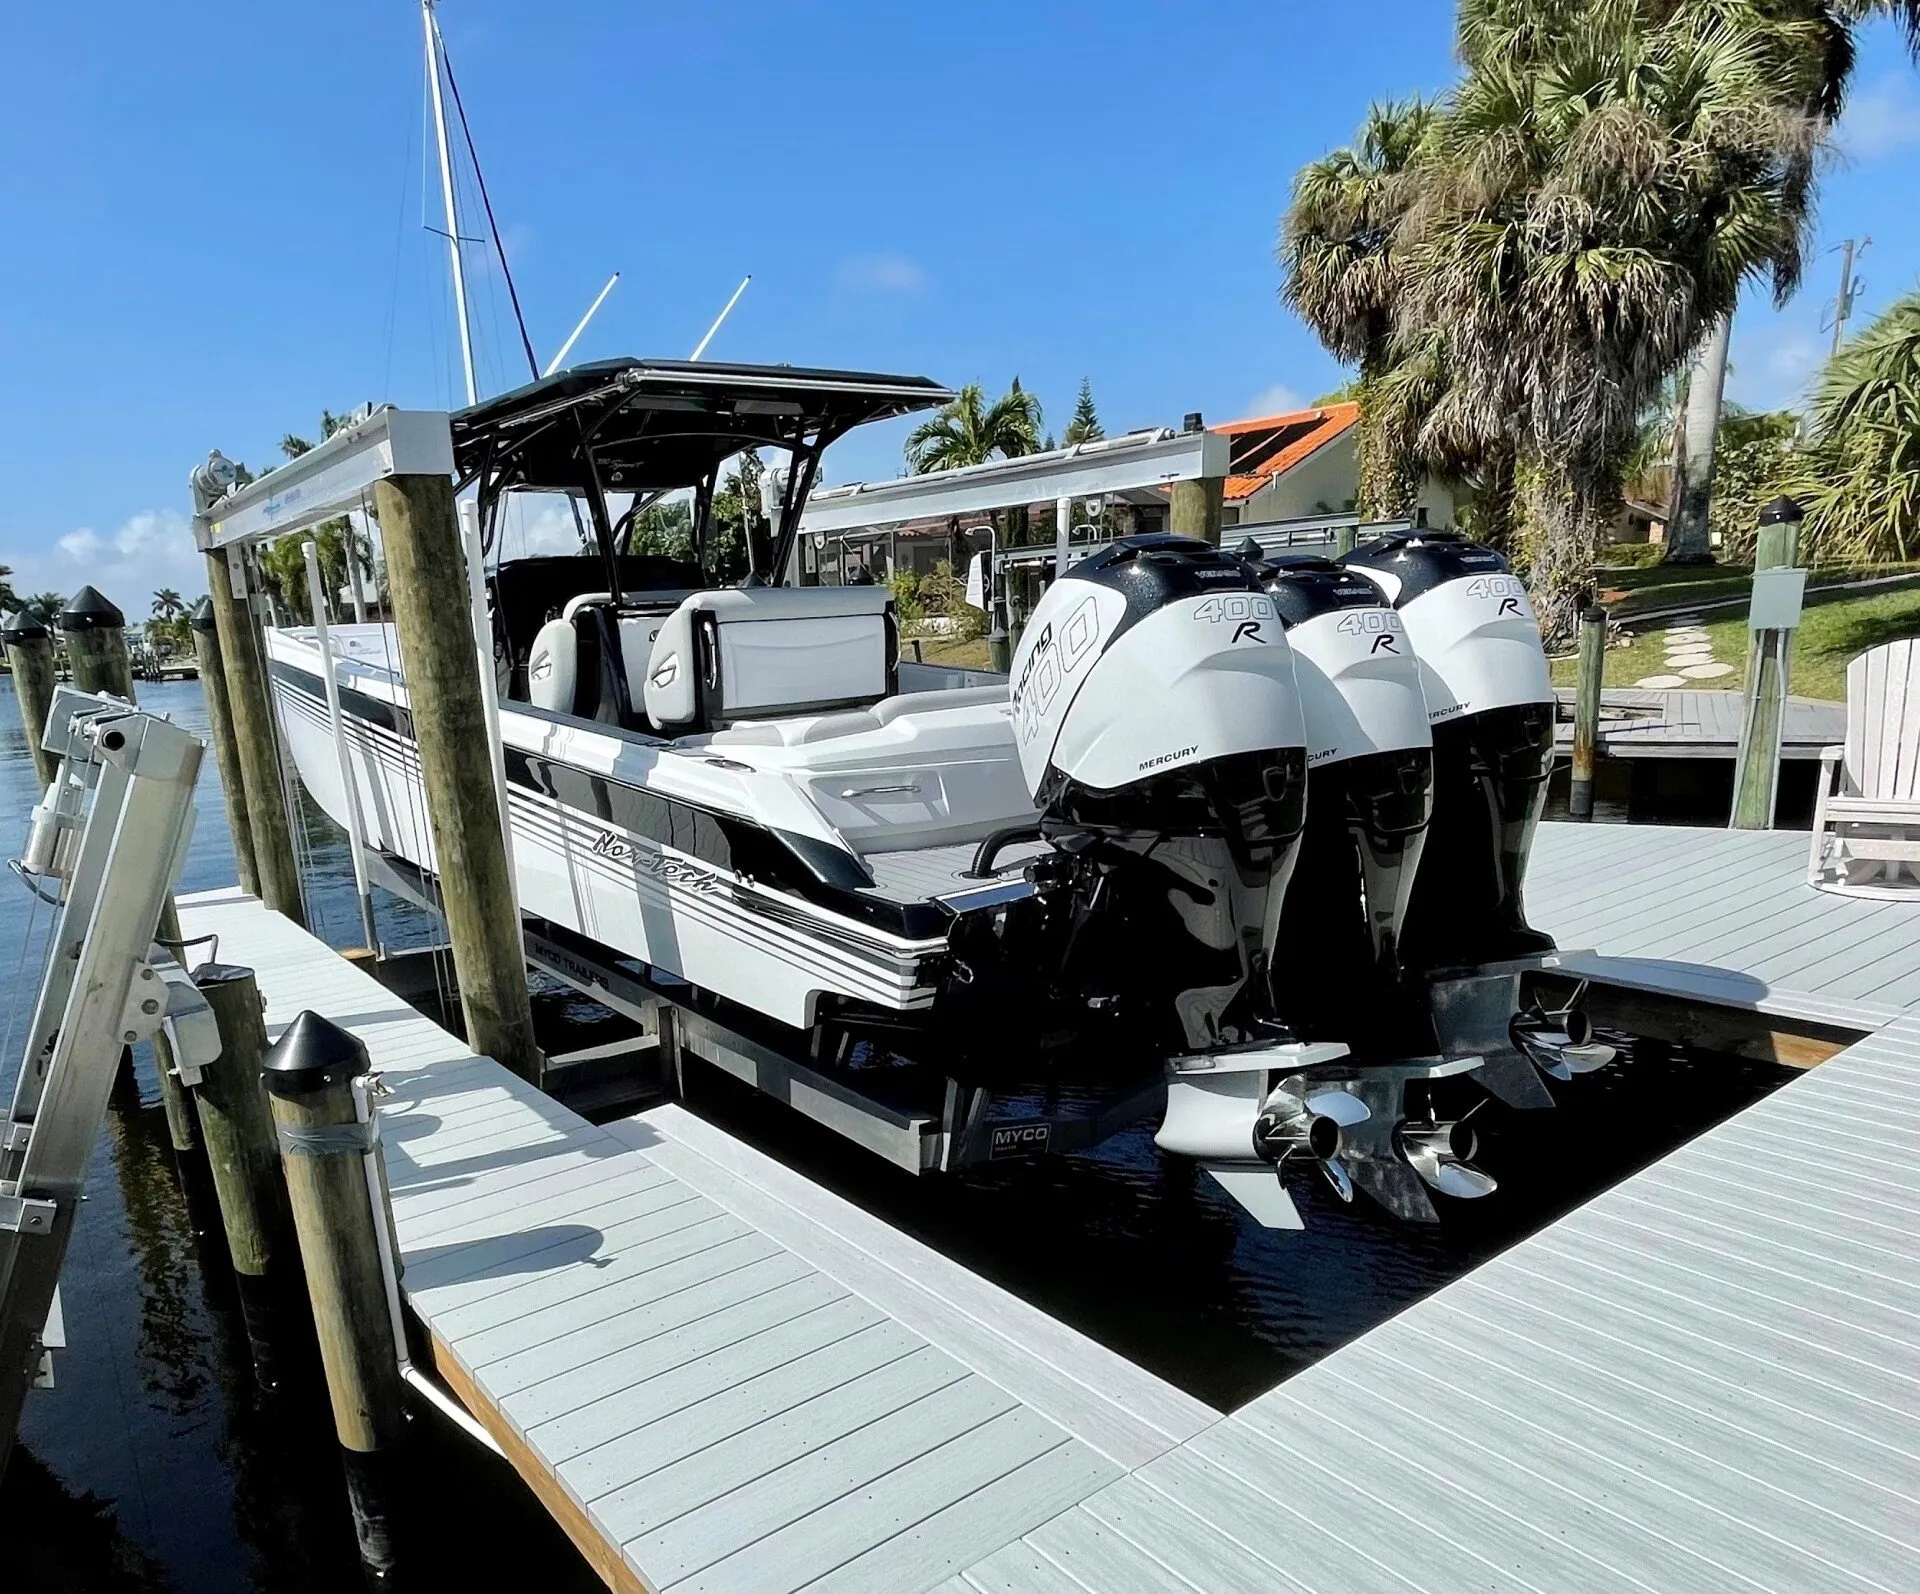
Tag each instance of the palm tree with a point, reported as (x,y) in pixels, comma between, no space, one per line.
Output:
(44,608)
(1860,480)
(167,603)
(1809,48)
(1594,198)
(969,432)
(1340,273)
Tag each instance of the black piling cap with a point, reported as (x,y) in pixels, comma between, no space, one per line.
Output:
(1783,511)
(86,610)
(201,617)
(315,1054)
(18,628)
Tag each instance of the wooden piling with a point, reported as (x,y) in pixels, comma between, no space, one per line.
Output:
(96,637)
(426,580)
(309,1075)
(250,711)
(1586,710)
(1344,538)
(1194,510)
(30,656)
(237,1126)
(213,677)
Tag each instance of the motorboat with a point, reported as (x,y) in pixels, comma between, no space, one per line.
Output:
(1084,873)
(731,786)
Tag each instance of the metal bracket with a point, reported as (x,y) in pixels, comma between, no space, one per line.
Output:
(27,1214)
(189,1024)
(146,1004)
(14,1137)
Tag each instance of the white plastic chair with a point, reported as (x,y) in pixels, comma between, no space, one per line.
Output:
(1866,819)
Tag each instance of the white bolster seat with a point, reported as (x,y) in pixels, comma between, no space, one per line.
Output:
(766,652)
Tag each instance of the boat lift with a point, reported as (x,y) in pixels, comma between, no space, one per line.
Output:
(103,849)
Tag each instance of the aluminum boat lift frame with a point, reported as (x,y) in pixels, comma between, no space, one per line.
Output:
(109,838)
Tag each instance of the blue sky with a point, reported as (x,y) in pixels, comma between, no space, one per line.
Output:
(213,227)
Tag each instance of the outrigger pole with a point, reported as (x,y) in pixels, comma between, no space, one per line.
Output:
(446,190)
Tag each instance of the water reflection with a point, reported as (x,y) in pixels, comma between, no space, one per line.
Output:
(154,1463)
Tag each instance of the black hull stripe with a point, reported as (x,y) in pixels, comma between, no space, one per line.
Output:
(708,839)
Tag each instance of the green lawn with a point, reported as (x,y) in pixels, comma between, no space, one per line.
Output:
(958,655)
(1630,590)
(1831,632)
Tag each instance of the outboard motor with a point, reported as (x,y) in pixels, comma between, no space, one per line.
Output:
(1369,797)
(1490,704)
(1491,707)
(1158,724)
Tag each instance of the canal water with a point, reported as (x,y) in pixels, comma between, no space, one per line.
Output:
(154,1465)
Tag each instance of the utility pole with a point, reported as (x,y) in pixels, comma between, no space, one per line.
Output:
(1849,289)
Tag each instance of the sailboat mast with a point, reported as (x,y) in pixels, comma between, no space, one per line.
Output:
(446,190)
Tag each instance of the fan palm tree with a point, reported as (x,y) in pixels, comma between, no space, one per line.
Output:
(1860,480)
(969,431)
(1594,199)
(43,608)
(1340,273)
(1809,48)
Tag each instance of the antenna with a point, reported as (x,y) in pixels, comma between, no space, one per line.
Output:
(446,190)
(701,347)
(574,337)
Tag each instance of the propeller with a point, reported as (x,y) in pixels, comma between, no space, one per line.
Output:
(1559,1041)
(1292,1124)
(1441,1151)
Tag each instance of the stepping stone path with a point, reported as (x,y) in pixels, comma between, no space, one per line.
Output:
(1689,657)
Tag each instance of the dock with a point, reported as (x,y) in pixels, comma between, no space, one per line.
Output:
(713,1373)
(1639,722)
(717,1375)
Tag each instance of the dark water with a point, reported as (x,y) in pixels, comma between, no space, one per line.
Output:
(154,1465)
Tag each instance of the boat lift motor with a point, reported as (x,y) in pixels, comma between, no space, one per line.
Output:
(104,848)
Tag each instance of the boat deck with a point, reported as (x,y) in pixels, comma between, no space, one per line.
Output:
(719,1376)
(715,1374)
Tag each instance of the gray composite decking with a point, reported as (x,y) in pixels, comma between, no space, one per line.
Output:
(739,1380)
(1706,1379)
(1644,723)
(1724,916)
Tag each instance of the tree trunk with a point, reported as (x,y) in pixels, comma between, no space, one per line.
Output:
(1389,482)
(1563,539)
(1688,539)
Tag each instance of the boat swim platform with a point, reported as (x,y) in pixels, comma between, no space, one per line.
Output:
(1639,723)
(1706,1378)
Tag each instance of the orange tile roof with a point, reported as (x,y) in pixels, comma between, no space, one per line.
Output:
(1297,435)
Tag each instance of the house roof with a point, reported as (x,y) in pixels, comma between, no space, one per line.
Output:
(1271,445)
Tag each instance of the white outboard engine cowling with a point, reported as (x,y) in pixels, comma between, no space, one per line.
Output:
(1491,706)
(1159,729)
(1369,798)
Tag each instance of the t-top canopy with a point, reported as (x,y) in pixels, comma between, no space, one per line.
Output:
(658,425)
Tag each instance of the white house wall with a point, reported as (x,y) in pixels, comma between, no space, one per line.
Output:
(1326,482)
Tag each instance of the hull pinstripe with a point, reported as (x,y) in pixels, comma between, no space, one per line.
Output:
(668,909)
